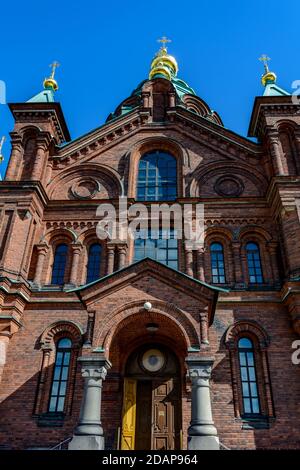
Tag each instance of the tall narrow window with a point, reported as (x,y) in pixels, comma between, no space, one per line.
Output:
(60,375)
(162,249)
(217,263)
(248,377)
(59,265)
(94,262)
(254,263)
(157,177)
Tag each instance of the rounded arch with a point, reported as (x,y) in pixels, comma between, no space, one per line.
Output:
(215,234)
(205,172)
(57,235)
(255,234)
(59,329)
(199,106)
(115,321)
(147,145)
(246,328)
(103,172)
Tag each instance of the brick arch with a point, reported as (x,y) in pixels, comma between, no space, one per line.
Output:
(58,234)
(58,330)
(115,322)
(249,329)
(254,233)
(214,233)
(204,172)
(104,172)
(149,144)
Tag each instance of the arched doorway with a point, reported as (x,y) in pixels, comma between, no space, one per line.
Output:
(151,413)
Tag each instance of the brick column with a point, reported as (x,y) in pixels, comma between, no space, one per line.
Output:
(238,273)
(189,261)
(14,164)
(204,327)
(276,154)
(272,250)
(110,258)
(76,250)
(200,265)
(39,160)
(89,434)
(202,431)
(122,251)
(42,250)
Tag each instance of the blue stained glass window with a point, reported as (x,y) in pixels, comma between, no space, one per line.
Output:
(217,263)
(250,395)
(254,263)
(157,177)
(60,376)
(59,265)
(94,263)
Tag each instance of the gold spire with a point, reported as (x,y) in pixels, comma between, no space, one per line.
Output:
(50,82)
(1,145)
(267,77)
(163,64)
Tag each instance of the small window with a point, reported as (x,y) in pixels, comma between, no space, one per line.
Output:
(251,405)
(254,263)
(94,263)
(217,263)
(59,265)
(157,177)
(60,376)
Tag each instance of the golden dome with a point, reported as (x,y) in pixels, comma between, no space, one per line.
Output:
(269,77)
(50,82)
(163,63)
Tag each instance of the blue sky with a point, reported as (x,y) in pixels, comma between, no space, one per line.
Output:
(105,49)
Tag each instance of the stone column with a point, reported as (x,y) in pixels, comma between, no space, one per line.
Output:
(110,258)
(189,261)
(42,250)
(200,265)
(76,249)
(202,433)
(14,162)
(272,249)
(89,434)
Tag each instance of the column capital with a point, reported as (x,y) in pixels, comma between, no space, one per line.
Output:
(94,367)
(199,367)
(42,247)
(76,247)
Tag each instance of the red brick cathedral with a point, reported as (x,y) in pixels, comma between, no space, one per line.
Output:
(149,343)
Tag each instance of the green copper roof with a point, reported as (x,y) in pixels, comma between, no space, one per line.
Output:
(181,87)
(271,89)
(45,96)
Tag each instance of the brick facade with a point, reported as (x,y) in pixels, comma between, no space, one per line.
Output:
(50,196)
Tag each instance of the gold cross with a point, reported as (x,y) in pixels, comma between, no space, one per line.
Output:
(54,65)
(164,41)
(265,59)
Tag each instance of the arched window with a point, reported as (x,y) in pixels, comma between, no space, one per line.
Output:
(157,177)
(217,263)
(60,375)
(59,265)
(94,261)
(254,263)
(162,248)
(250,396)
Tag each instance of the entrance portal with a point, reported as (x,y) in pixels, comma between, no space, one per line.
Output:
(151,401)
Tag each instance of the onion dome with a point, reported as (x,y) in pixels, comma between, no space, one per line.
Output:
(163,65)
(50,83)
(268,77)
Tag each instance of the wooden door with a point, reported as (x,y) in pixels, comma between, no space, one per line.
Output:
(165,415)
(129,415)
(143,415)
